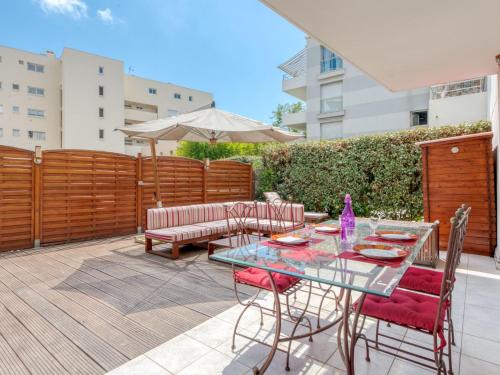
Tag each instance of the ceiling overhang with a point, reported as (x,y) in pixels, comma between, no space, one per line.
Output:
(404,44)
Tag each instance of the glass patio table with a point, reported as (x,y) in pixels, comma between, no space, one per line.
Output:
(330,262)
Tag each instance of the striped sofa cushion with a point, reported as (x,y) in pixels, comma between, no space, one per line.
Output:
(168,217)
(297,210)
(265,225)
(176,234)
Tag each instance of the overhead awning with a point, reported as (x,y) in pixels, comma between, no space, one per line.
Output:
(404,44)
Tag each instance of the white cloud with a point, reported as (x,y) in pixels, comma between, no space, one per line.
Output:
(75,8)
(105,15)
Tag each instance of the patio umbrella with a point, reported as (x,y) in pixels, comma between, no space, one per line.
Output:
(207,125)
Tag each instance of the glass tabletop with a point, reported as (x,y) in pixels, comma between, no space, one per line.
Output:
(328,260)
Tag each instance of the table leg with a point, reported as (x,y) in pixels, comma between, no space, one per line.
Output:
(277,331)
(348,336)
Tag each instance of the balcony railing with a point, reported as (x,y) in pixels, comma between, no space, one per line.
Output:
(295,66)
(331,105)
(330,65)
(472,86)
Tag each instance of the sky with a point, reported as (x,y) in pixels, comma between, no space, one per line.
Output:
(230,48)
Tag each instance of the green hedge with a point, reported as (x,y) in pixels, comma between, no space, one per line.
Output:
(201,151)
(383,173)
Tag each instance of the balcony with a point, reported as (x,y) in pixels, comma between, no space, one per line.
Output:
(294,79)
(295,120)
(137,115)
(472,86)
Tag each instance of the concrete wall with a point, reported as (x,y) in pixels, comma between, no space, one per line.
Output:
(81,101)
(12,72)
(457,109)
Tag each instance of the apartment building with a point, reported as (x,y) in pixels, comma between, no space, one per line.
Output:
(341,101)
(78,100)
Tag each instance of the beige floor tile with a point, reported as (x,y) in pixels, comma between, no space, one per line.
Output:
(298,365)
(215,362)
(481,349)
(178,353)
(479,322)
(212,333)
(402,367)
(247,352)
(140,366)
(473,366)
(379,363)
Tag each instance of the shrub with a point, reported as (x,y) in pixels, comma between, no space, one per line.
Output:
(383,173)
(201,151)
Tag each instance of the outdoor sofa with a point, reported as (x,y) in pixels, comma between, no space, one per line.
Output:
(183,225)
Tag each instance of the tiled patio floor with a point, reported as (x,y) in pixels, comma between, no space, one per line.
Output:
(88,308)
(206,349)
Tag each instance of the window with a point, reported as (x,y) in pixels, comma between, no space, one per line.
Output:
(101,112)
(331,97)
(172,112)
(177,95)
(16,132)
(330,61)
(0,59)
(418,118)
(152,91)
(35,67)
(15,109)
(36,112)
(101,70)
(0,85)
(190,98)
(1,132)
(331,130)
(15,86)
(21,62)
(36,91)
(1,108)
(37,136)
(101,90)
(101,133)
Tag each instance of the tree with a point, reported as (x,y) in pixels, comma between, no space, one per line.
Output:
(283,109)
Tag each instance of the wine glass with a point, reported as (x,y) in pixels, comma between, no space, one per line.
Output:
(374,221)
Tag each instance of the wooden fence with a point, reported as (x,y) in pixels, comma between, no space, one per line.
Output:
(74,195)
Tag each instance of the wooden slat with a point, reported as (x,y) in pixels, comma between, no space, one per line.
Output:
(16,198)
(87,194)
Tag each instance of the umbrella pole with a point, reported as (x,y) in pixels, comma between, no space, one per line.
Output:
(155,172)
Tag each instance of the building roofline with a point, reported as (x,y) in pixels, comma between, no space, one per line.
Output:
(168,83)
(43,54)
(90,53)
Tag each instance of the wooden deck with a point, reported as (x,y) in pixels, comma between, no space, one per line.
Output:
(87,308)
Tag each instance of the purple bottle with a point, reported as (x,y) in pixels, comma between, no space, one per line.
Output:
(347,219)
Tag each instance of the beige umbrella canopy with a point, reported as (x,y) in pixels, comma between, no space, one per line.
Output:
(206,125)
(209,125)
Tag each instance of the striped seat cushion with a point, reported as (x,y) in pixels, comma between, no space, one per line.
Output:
(218,226)
(176,234)
(167,217)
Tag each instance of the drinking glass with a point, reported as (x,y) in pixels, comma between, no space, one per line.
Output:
(374,221)
(308,231)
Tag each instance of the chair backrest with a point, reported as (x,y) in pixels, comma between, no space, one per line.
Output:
(238,215)
(282,216)
(455,245)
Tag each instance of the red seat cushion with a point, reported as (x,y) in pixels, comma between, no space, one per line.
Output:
(406,309)
(260,278)
(421,280)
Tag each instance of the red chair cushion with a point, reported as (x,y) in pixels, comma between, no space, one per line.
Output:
(260,278)
(421,280)
(407,309)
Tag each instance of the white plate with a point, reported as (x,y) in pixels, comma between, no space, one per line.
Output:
(396,236)
(380,254)
(327,229)
(290,240)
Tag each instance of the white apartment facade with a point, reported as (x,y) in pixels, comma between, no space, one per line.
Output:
(341,101)
(78,100)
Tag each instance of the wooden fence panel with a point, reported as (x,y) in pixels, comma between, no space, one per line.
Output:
(87,194)
(229,181)
(181,182)
(16,198)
